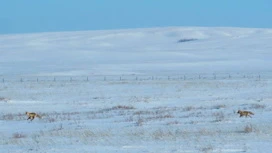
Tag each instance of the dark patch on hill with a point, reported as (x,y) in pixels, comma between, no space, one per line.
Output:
(186,40)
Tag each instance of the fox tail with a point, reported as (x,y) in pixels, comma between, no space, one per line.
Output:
(39,116)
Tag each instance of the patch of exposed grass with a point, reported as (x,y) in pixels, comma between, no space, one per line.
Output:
(18,135)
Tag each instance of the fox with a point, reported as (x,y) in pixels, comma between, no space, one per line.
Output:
(32,115)
(245,113)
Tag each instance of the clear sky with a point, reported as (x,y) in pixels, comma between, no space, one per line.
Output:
(31,16)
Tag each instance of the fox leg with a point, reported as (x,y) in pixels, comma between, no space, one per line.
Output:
(248,115)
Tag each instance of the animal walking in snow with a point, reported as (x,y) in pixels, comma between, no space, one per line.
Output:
(32,115)
(245,113)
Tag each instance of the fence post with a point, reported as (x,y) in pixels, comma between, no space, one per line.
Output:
(104,78)
(21,80)
(3,80)
(87,78)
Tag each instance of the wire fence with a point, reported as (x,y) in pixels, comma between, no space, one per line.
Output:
(93,78)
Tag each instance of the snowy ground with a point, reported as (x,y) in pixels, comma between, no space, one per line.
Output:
(133,91)
(137,51)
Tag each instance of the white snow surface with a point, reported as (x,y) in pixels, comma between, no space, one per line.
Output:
(137,51)
(157,90)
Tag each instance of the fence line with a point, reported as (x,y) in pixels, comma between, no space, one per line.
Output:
(134,77)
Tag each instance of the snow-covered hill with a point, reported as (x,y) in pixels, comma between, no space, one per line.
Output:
(137,51)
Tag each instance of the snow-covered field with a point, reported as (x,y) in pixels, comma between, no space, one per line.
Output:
(158,90)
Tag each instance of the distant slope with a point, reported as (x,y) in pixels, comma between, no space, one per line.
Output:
(137,51)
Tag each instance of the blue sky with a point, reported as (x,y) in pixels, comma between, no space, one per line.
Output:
(31,16)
